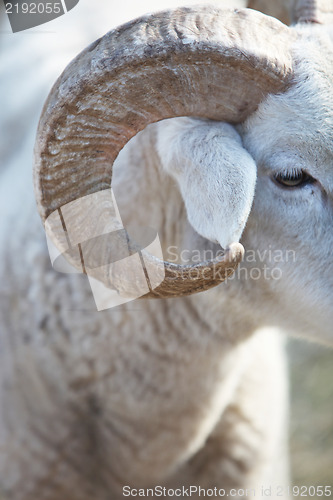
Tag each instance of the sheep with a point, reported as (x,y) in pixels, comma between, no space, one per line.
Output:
(189,391)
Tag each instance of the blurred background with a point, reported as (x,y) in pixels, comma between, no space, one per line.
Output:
(311,426)
(30,61)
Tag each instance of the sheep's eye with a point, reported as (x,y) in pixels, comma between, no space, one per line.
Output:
(293,179)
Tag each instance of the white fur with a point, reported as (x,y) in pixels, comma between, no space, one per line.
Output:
(174,392)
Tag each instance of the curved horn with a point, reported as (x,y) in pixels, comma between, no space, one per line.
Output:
(313,11)
(204,62)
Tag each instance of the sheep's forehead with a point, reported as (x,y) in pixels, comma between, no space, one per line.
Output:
(297,126)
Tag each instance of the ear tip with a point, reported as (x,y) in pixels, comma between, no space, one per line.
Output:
(234,253)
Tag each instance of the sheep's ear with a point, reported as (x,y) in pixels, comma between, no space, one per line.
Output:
(215,174)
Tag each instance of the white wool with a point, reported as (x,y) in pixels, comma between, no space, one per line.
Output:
(171,392)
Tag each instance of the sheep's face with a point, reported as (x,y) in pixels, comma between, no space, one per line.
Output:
(211,64)
(291,140)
